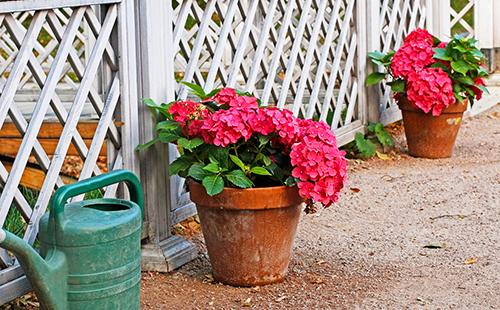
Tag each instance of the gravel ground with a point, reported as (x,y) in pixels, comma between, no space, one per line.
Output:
(408,233)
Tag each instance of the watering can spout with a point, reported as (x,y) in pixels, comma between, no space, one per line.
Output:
(46,276)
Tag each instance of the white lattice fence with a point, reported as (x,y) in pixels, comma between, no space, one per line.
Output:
(302,55)
(42,45)
(393,20)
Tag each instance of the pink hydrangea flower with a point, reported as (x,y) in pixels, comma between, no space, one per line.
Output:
(430,89)
(182,111)
(317,162)
(243,102)
(224,96)
(414,55)
(225,127)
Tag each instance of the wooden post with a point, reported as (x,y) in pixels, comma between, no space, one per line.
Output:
(441,18)
(163,252)
(373,34)
(484,28)
(362,61)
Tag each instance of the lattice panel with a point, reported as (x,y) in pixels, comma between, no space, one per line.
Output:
(294,54)
(47,66)
(462,17)
(301,55)
(397,19)
(45,49)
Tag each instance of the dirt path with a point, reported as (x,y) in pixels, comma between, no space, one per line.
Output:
(370,251)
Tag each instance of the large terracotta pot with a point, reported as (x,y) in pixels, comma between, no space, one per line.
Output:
(249,233)
(431,136)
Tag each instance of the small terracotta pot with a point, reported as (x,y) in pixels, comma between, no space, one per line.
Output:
(249,233)
(431,136)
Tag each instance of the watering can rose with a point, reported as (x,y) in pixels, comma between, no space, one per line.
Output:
(227,140)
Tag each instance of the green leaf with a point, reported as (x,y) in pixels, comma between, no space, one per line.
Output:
(440,53)
(146,145)
(465,80)
(238,162)
(180,164)
(364,146)
(376,55)
(260,171)
(375,78)
(197,172)
(150,103)
(219,155)
(162,108)
(212,167)
(291,181)
(484,89)
(168,125)
(168,137)
(460,66)
(214,184)
(263,140)
(196,90)
(398,86)
(238,178)
(440,65)
(213,92)
(371,127)
(189,144)
(383,136)
(212,106)
(266,160)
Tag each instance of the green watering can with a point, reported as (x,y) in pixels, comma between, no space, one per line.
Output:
(92,248)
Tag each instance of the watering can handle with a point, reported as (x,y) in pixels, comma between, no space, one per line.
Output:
(88,185)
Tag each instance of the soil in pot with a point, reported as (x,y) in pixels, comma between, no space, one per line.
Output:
(249,233)
(431,136)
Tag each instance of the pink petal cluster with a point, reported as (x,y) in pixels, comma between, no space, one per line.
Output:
(183,111)
(430,89)
(243,102)
(224,96)
(316,160)
(414,55)
(318,163)
(225,127)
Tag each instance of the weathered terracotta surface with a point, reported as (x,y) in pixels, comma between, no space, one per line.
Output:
(431,136)
(249,233)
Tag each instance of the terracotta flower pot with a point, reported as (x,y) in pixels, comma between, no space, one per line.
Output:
(249,233)
(431,136)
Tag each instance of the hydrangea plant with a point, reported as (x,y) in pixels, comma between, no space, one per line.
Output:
(433,74)
(226,139)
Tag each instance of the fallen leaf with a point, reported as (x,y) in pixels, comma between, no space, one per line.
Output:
(494,115)
(247,302)
(387,178)
(209,277)
(435,246)
(355,189)
(382,156)
(317,281)
(470,261)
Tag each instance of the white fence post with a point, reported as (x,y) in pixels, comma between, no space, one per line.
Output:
(441,15)
(373,34)
(164,252)
(483,22)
